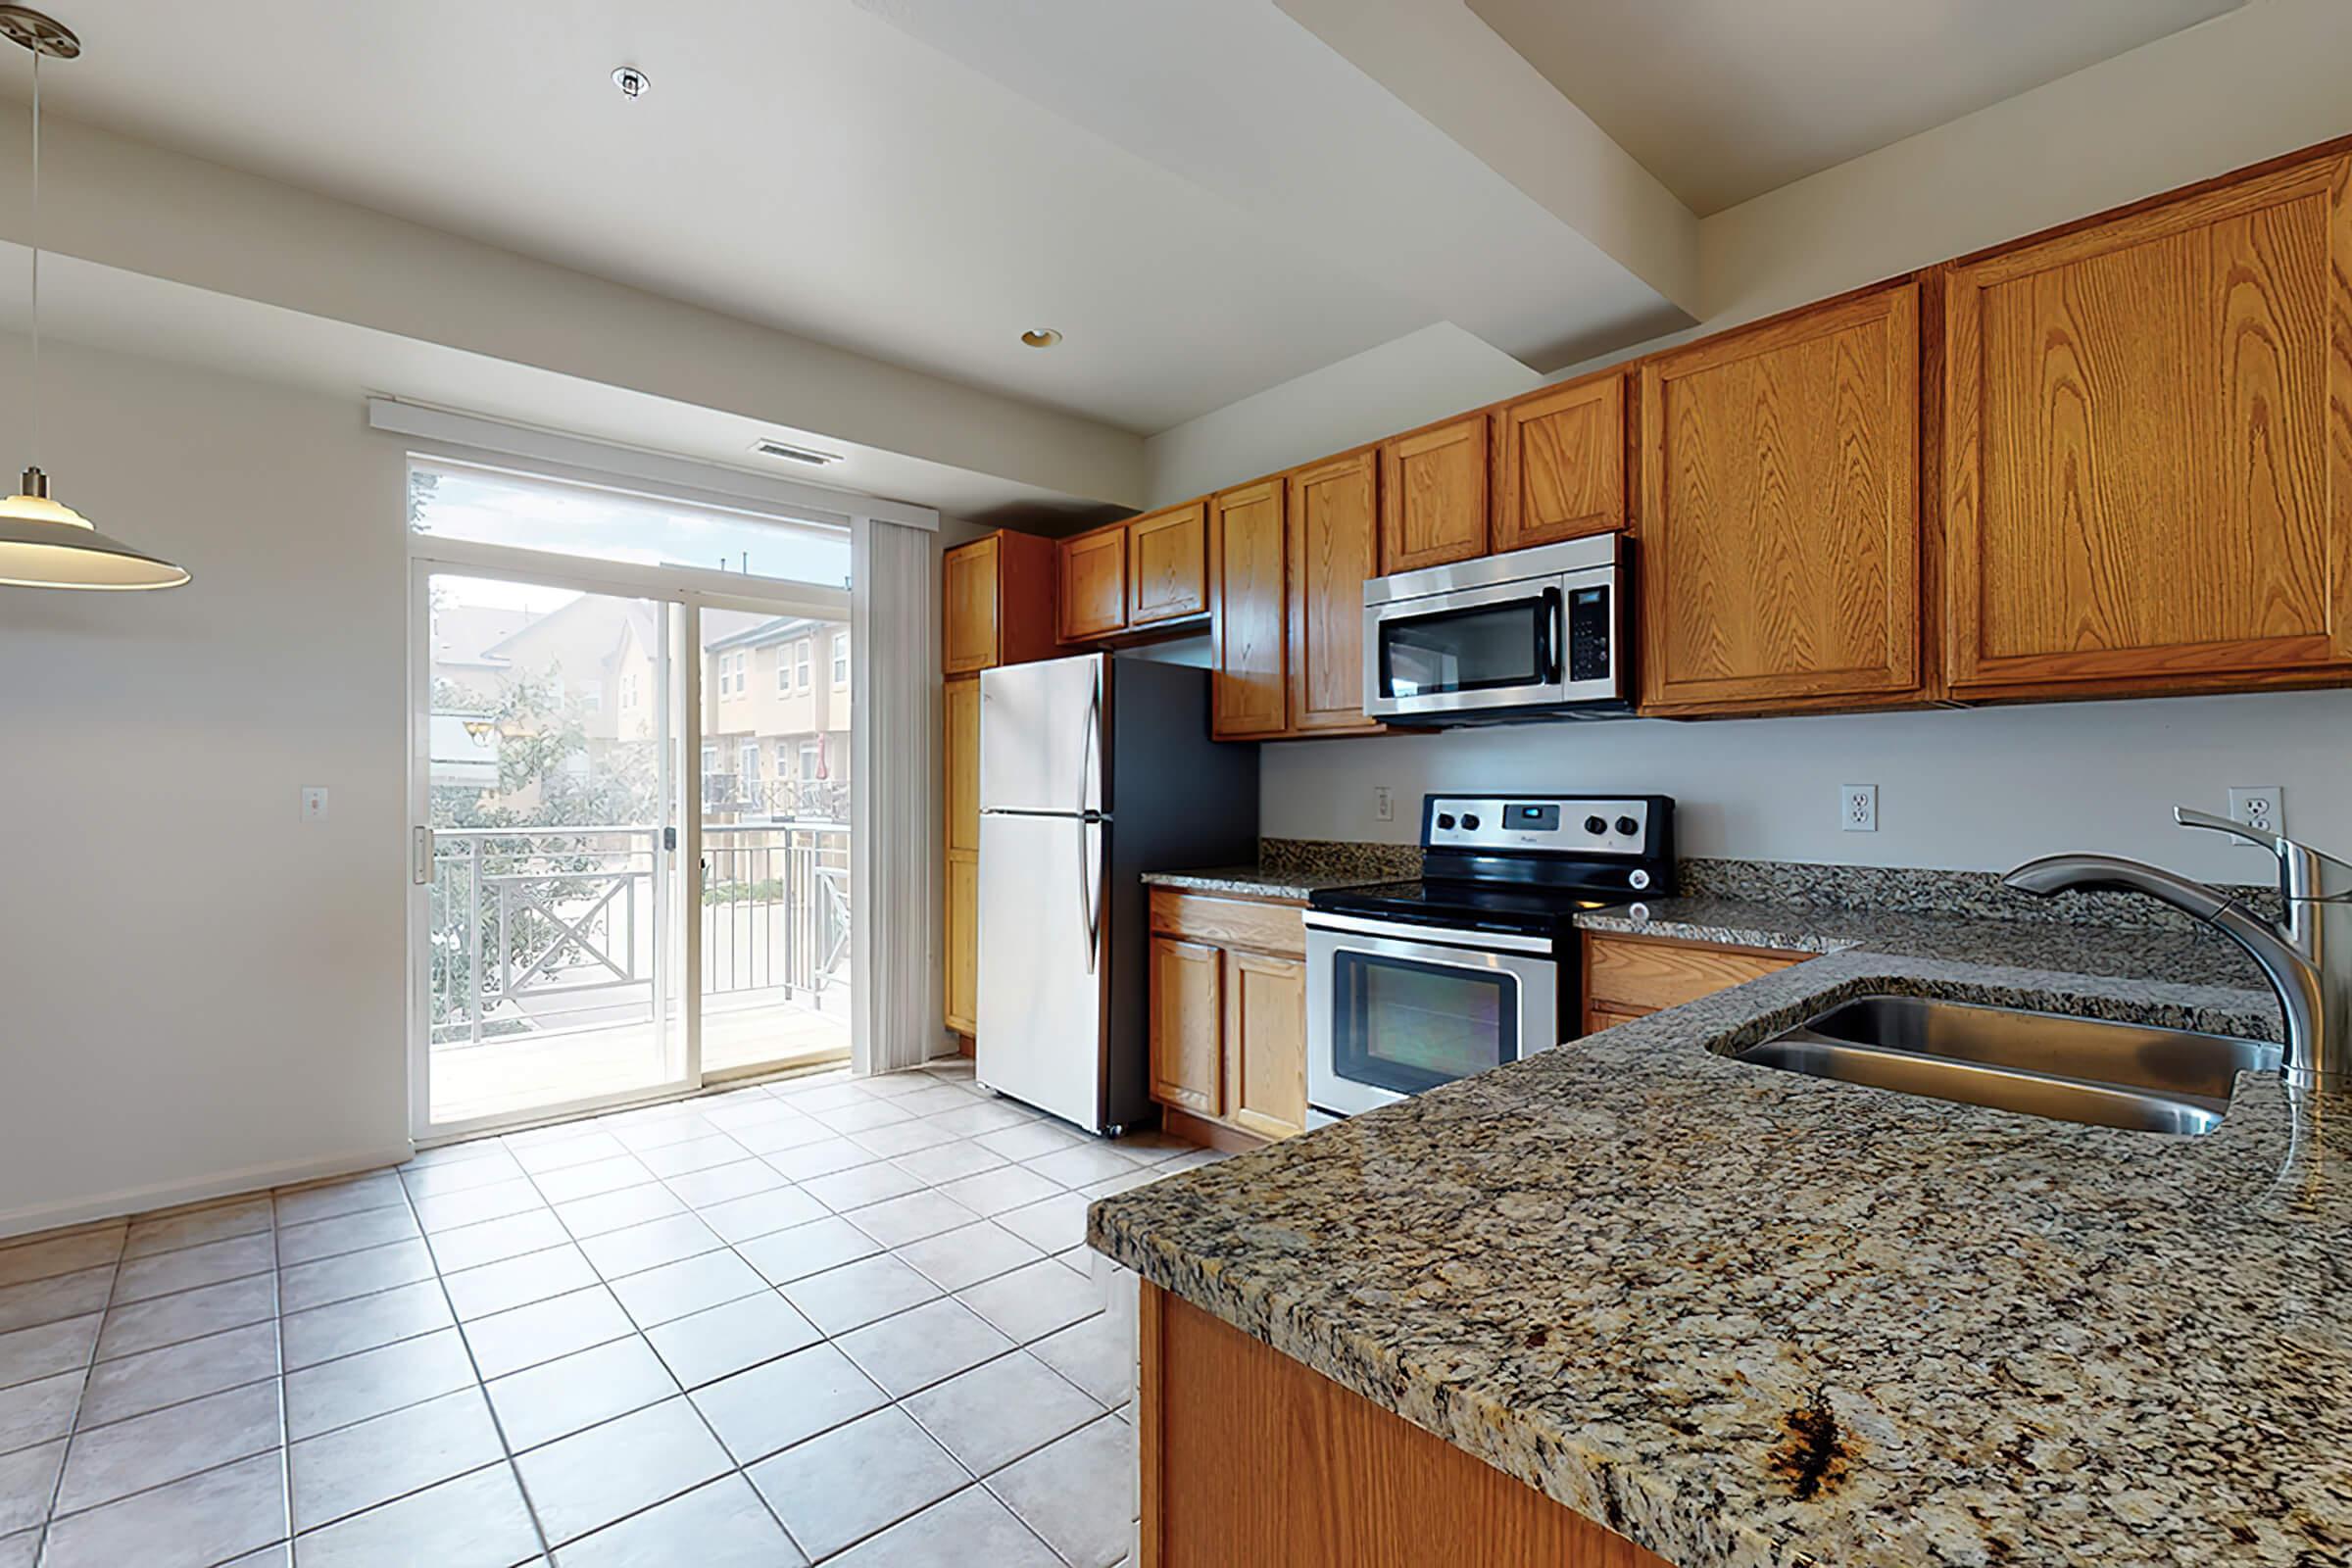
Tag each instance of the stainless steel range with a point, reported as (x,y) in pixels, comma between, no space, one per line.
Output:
(1415,984)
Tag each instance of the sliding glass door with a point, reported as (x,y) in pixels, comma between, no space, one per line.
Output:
(630,777)
(548,770)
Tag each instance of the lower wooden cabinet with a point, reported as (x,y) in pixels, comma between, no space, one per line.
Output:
(1188,1026)
(1627,977)
(963,942)
(1229,1010)
(1265,1043)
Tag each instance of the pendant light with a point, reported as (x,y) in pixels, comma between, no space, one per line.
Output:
(44,544)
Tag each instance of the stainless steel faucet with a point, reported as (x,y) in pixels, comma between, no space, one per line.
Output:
(2308,957)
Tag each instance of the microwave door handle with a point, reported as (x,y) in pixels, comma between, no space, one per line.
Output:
(1554,636)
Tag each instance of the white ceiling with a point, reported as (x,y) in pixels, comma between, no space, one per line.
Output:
(1727,99)
(799,162)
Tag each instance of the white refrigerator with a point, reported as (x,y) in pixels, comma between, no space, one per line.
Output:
(1092,770)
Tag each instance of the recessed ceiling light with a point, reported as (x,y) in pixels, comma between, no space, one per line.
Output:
(769,447)
(1043,337)
(632,83)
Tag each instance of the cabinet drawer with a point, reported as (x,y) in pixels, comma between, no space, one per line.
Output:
(1633,975)
(1260,925)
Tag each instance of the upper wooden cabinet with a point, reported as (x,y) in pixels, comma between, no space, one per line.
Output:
(1780,520)
(1168,565)
(1432,494)
(2148,459)
(1559,464)
(1245,559)
(1093,583)
(1335,545)
(997,602)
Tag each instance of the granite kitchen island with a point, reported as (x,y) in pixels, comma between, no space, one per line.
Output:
(1747,1318)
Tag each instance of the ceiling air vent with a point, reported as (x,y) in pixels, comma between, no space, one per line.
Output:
(791,454)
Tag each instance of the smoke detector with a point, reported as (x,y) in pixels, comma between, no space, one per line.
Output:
(769,447)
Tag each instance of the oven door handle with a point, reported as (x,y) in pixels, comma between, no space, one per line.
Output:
(1429,935)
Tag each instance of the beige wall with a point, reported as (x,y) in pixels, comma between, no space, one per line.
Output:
(200,992)
(1973,790)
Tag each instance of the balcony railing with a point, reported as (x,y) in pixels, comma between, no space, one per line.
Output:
(540,929)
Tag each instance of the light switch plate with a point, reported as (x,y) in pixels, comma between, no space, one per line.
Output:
(1383,804)
(1858,808)
(313,804)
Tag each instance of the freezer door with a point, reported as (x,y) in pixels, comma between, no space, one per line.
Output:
(1041,736)
(1042,975)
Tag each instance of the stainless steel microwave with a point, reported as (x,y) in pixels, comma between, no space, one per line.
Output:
(1532,634)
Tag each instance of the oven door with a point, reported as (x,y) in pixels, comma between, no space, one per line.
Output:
(1499,646)
(1394,1008)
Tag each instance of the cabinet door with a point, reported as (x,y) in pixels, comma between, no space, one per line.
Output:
(1265,1043)
(1168,565)
(1432,495)
(963,741)
(2148,459)
(963,942)
(1188,1026)
(1093,583)
(1780,517)
(968,599)
(1246,598)
(1561,464)
(1333,547)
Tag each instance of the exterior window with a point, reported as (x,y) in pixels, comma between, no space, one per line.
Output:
(751,763)
(742,673)
(592,699)
(783,759)
(783,671)
(809,754)
(841,659)
(799,661)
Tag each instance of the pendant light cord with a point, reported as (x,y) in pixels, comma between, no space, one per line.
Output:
(36,256)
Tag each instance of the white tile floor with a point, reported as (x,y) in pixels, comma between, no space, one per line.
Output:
(821,1320)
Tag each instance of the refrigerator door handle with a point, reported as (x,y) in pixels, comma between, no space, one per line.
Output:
(1091,758)
(1090,883)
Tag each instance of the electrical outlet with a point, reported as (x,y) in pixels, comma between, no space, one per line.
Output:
(313,804)
(1383,804)
(2262,805)
(1858,808)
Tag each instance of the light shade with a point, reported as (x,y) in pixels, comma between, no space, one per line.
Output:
(45,545)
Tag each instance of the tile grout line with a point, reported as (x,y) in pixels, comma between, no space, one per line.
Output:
(481,1385)
(278,1340)
(57,1484)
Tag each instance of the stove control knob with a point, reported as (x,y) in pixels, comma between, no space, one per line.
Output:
(1595,826)
(1639,879)
(1628,826)
(1470,821)
(1445,819)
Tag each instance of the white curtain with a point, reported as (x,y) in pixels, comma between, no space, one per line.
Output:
(894,863)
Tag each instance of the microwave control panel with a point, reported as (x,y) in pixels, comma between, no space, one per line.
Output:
(1589,625)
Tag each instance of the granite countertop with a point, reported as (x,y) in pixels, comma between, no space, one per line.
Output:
(1256,881)
(1751,1318)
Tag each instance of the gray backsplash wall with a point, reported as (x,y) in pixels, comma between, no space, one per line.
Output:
(1975,789)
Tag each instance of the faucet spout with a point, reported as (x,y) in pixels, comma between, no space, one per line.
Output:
(2307,970)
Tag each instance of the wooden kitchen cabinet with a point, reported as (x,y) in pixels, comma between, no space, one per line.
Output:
(1628,976)
(1265,1043)
(2147,464)
(1559,464)
(961,738)
(1188,1026)
(1093,583)
(1335,545)
(1432,494)
(1780,523)
(1229,1012)
(1168,565)
(963,942)
(997,602)
(1249,686)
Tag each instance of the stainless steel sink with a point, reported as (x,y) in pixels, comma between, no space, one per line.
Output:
(2074,1070)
